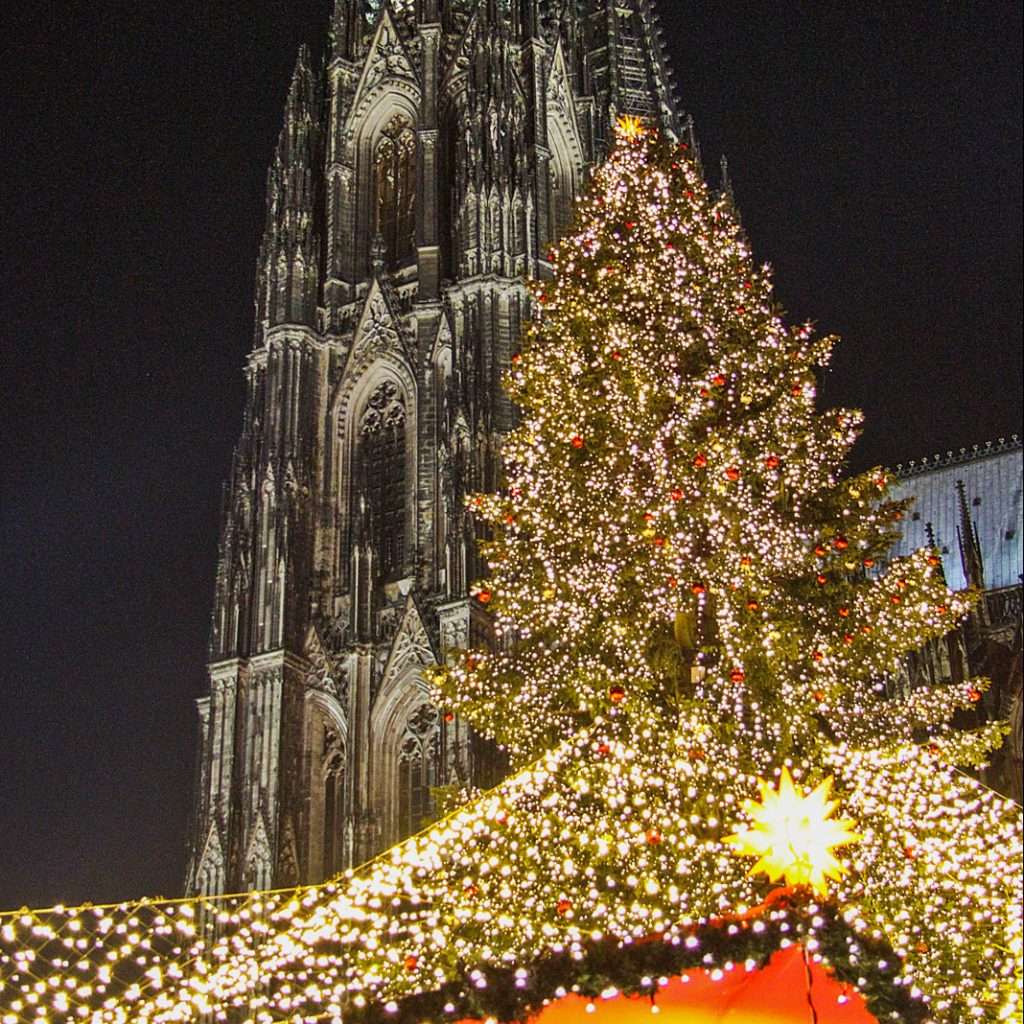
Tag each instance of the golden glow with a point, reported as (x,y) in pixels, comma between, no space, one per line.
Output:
(630,126)
(794,834)
(679,588)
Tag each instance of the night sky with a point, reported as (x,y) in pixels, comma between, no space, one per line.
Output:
(875,151)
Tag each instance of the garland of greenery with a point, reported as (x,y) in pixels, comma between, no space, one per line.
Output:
(866,964)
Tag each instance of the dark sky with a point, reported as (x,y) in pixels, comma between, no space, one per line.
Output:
(875,151)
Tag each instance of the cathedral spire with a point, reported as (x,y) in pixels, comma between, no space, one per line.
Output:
(970,548)
(725,182)
(345,29)
(529,19)
(289,263)
(627,62)
(428,12)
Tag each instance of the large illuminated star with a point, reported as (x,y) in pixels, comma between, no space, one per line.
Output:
(630,126)
(794,834)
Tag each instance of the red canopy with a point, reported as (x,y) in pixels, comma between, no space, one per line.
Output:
(780,993)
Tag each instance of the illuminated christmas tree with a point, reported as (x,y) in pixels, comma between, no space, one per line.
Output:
(677,534)
(693,627)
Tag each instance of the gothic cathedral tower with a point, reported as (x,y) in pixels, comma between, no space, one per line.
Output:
(419,179)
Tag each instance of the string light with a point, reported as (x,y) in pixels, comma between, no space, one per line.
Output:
(682,605)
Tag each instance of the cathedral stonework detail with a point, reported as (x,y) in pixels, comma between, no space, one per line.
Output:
(422,173)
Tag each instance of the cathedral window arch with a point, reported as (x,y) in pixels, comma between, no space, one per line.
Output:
(564,179)
(332,842)
(394,190)
(380,476)
(418,755)
(325,740)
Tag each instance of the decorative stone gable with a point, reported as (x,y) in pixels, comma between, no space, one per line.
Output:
(411,645)
(209,873)
(387,61)
(562,105)
(259,856)
(324,673)
(378,332)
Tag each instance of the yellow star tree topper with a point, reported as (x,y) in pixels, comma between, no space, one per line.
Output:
(630,126)
(794,834)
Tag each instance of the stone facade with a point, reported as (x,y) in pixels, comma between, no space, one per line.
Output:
(420,177)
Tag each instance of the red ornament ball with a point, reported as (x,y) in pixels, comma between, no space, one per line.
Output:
(840,543)
(718,380)
(737,675)
(700,460)
(411,963)
(698,589)
(676,494)
(772,462)
(733,473)
(616,694)
(484,596)
(563,907)
(653,836)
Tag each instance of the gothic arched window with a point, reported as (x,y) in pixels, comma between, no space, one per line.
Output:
(333,846)
(562,199)
(417,769)
(381,474)
(394,183)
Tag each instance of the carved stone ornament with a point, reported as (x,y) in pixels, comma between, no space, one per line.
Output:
(377,333)
(324,674)
(411,645)
(385,410)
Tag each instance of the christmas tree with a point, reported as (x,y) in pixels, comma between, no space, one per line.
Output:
(676,521)
(693,625)
(679,555)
